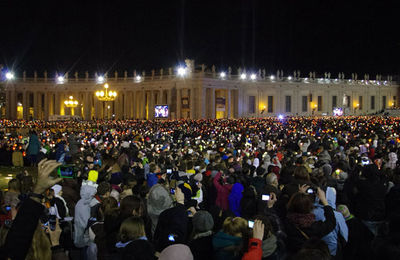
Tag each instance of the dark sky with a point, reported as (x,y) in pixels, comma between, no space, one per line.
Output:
(101,35)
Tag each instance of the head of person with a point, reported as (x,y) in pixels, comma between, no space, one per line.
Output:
(14,185)
(272,179)
(300,203)
(234,226)
(132,206)
(131,228)
(104,189)
(268,230)
(301,174)
(202,222)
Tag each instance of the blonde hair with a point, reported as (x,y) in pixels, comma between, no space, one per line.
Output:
(40,248)
(132,228)
(234,226)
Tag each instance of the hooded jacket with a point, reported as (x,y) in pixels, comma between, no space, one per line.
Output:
(82,215)
(34,145)
(234,199)
(341,227)
(158,201)
(222,192)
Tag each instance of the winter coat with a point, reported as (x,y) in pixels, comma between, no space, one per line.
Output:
(226,247)
(34,145)
(370,199)
(138,249)
(222,192)
(201,247)
(235,197)
(341,228)
(159,200)
(82,215)
(171,221)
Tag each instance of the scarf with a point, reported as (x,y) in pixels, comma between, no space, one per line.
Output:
(269,246)
(301,220)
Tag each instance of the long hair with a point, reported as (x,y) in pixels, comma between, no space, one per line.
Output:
(40,248)
(132,228)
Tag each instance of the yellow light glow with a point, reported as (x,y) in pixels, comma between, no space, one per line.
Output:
(106,85)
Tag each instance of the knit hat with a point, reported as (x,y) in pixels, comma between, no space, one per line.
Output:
(57,188)
(177,251)
(345,212)
(186,190)
(202,221)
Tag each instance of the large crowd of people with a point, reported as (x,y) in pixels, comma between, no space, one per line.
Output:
(270,188)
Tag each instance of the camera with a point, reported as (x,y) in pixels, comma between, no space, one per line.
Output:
(172,191)
(169,171)
(171,237)
(251,223)
(311,191)
(265,197)
(52,222)
(66,171)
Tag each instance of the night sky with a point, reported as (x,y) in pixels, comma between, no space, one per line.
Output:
(325,35)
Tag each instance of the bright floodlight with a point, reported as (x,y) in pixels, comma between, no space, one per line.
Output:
(181,71)
(280,117)
(100,79)
(253,76)
(60,79)
(243,76)
(138,78)
(222,75)
(289,78)
(272,77)
(9,75)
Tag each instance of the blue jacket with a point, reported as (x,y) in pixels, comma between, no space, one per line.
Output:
(235,197)
(341,226)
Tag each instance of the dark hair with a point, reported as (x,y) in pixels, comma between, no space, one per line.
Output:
(268,230)
(14,184)
(132,203)
(103,188)
(301,173)
(300,203)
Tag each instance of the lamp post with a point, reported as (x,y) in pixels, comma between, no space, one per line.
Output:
(314,107)
(72,104)
(106,96)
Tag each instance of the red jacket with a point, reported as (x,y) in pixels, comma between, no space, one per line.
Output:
(223,192)
(255,250)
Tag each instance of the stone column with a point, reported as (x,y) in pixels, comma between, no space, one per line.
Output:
(25,104)
(13,105)
(201,103)
(57,107)
(228,103)
(178,103)
(36,105)
(151,105)
(212,103)
(46,106)
(87,106)
(192,112)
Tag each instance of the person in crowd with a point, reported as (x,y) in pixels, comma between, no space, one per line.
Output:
(33,148)
(228,242)
(133,242)
(301,224)
(202,236)
(370,200)
(159,199)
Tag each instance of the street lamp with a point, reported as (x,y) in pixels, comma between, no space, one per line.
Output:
(72,104)
(106,96)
